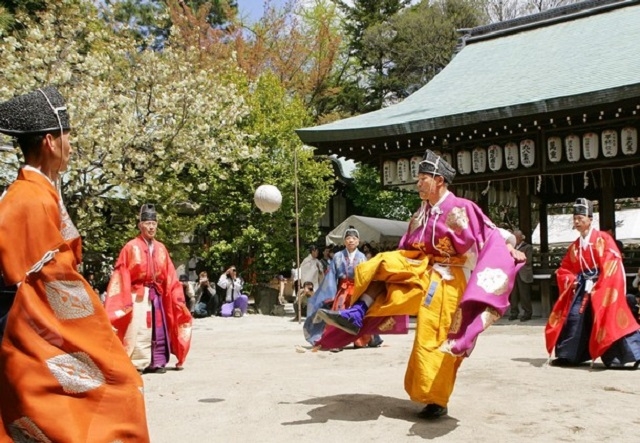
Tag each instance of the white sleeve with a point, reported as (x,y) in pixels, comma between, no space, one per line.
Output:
(223,281)
(508,237)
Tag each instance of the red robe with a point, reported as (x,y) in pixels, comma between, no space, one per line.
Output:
(612,318)
(133,271)
(64,375)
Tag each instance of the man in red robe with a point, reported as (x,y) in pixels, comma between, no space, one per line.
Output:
(591,318)
(64,376)
(145,301)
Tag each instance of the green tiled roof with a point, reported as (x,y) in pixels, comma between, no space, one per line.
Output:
(544,66)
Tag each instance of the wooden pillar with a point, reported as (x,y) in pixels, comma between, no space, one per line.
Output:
(524,208)
(606,204)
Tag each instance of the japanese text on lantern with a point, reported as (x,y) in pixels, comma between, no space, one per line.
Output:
(590,145)
(609,143)
(554,150)
(629,137)
(494,154)
(527,154)
(479,157)
(572,147)
(511,155)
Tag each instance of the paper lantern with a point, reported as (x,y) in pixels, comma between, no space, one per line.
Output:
(464,162)
(402,170)
(629,139)
(479,160)
(511,155)
(494,154)
(609,143)
(267,198)
(388,172)
(446,156)
(572,147)
(590,145)
(554,149)
(527,153)
(415,166)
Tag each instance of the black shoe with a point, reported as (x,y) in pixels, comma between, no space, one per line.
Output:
(375,342)
(525,318)
(159,370)
(513,317)
(562,362)
(433,411)
(334,318)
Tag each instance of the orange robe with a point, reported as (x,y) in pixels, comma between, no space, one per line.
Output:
(132,273)
(64,376)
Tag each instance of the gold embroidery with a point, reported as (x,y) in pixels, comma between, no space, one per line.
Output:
(69,299)
(387,325)
(75,372)
(610,297)
(610,267)
(622,318)
(600,245)
(445,246)
(456,322)
(115,285)
(457,220)
(137,255)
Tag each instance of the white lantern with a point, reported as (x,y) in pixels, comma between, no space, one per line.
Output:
(402,170)
(554,149)
(590,145)
(572,147)
(494,157)
(479,160)
(446,156)
(629,139)
(464,162)
(267,198)
(527,153)
(609,143)
(388,172)
(511,155)
(415,166)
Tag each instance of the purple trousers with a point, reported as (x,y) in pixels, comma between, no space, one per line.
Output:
(159,338)
(242,302)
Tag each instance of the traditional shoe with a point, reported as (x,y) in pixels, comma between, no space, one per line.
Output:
(433,411)
(335,318)
(158,370)
(562,362)
(375,342)
(525,318)
(513,317)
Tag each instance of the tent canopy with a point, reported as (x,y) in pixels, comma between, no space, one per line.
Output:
(561,230)
(379,231)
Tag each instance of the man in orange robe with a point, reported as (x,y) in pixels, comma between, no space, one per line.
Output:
(64,376)
(146,303)
(591,318)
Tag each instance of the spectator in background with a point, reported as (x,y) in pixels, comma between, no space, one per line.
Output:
(311,268)
(295,278)
(326,258)
(281,284)
(187,289)
(236,302)
(207,301)
(302,299)
(521,292)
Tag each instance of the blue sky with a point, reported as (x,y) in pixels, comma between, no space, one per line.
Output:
(253,9)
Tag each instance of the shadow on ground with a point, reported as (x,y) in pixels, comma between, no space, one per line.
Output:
(364,407)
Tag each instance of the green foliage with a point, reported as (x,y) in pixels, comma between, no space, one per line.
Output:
(370,201)
(232,228)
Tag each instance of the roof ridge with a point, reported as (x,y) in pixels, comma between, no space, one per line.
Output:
(540,19)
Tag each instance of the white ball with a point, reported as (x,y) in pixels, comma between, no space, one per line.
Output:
(267,198)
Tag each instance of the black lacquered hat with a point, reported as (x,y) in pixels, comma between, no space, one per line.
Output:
(434,164)
(37,112)
(148,213)
(582,206)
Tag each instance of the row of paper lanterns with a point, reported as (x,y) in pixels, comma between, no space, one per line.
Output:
(493,158)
